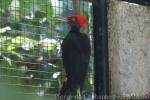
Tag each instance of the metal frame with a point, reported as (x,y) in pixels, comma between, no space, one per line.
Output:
(140,2)
(101,68)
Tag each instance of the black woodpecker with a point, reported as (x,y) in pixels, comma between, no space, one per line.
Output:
(76,52)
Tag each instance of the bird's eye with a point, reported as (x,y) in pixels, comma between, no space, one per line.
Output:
(73,19)
(69,19)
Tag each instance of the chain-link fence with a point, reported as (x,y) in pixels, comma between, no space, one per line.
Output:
(30,56)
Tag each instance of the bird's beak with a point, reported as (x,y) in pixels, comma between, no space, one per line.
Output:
(61,19)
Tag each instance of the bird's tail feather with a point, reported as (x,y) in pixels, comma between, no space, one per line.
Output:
(69,89)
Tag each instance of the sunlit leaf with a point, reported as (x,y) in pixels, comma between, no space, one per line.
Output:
(23,68)
(49,44)
(8,60)
(25,42)
(11,47)
(27,45)
(48,41)
(53,65)
(40,93)
(2,10)
(4,39)
(50,47)
(3,30)
(15,5)
(56,74)
(31,76)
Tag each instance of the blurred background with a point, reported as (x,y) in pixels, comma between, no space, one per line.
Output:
(30,56)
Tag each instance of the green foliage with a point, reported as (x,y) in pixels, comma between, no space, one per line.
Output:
(30,51)
(4,4)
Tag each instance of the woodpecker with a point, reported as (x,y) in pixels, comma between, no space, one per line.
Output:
(76,52)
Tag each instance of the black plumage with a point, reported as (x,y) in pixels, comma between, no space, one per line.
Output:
(75,55)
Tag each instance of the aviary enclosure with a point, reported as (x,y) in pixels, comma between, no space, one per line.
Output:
(31,65)
(30,55)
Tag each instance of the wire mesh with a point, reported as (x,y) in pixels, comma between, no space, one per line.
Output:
(30,40)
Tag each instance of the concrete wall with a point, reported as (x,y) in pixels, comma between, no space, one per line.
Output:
(129,48)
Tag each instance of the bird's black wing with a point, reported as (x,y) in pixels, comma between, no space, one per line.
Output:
(76,55)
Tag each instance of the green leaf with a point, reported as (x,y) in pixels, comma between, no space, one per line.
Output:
(2,11)
(2,30)
(17,54)
(5,4)
(11,47)
(8,60)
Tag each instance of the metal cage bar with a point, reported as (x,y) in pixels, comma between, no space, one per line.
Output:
(140,2)
(101,68)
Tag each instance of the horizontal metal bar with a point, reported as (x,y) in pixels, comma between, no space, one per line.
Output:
(4,83)
(33,93)
(27,78)
(140,2)
(46,72)
(25,62)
